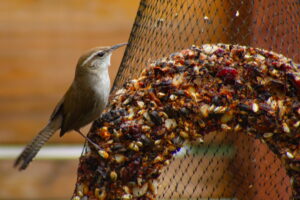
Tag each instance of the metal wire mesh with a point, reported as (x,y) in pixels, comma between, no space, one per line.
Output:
(165,26)
(226,167)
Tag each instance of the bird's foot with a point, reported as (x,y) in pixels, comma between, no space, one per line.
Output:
(89,140)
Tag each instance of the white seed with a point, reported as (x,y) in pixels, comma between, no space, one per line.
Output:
(142,78)
(113,175)
(220,109)
(119,158)
(173,97)
(146,128)
(267,135)
(141,112)
(186,128)
(120,91)
(196,69)
(161,94)
(248,56)
(200,140)
(80,190)
(274,72)
(237,13)
(290,155)
(117,134)
(184,134)
(147,117)
(126,101)
(237,128)
(163,115)
(110,142)
(263,67)
(139,181)
(85,189)
(139,143)
(297,124)
(212,108)
(140,104)
(285,127)
(126,189)
(170,124)
(153,186)
(282,109)
(192,91)
(167,162)
(204,110)
(133,81)
(158,159)
(103,154)
(157,142)
(269,101)
(225,127)
(102,195)
(178,79)
(272,103)
(136,85)
(139,191)
(130,114)
(209,49)
(255,107)
(260,57)
(133,146)
(127,196)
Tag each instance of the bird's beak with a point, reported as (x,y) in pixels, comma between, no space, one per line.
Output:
(112,48)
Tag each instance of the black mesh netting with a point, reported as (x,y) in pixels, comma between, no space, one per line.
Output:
(226,166)
(163,27)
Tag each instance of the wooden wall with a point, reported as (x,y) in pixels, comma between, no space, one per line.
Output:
(40,42)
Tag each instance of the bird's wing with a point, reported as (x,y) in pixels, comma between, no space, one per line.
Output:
(75,110)
(58,109)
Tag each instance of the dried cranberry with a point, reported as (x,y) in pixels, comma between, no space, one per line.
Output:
(285,67)
(219,52)
(227,73)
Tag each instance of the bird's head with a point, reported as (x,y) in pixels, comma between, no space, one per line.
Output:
(96,59)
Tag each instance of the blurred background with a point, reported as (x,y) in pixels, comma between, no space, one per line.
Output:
(40,42)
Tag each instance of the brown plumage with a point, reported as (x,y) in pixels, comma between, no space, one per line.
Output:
(83,102)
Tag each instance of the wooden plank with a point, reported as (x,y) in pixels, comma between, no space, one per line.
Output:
(55,179)
(40,44)
(42,180)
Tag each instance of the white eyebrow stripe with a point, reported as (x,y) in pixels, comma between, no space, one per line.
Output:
(90,57)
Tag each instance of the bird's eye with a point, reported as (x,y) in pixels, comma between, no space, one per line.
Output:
(100,54)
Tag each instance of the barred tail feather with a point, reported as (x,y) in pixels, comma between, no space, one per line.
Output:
(36,144)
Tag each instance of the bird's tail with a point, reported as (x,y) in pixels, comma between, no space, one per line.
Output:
(35,145)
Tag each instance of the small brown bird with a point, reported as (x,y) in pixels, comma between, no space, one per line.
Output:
(83,102)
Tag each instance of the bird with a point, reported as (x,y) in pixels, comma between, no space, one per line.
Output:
(83,102)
